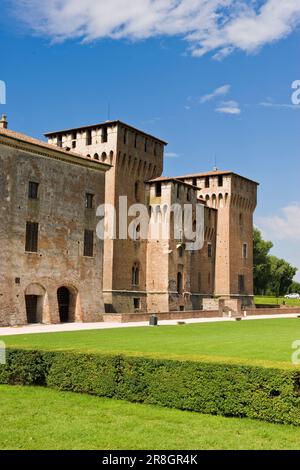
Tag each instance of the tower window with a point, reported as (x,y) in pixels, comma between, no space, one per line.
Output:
(104,134)
(241,282)
(88,137)
(135,140)
(73,138)
(125,136)
(220,180)
(207,182)
(146,145)
(209,250)
(88,244)
(158,189)
(33,189)
(31,243)
(194,181)
(245,250)
(89,200)
(59,141)
(179,283)
(135,275)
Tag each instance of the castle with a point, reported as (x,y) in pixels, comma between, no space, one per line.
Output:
(53,266)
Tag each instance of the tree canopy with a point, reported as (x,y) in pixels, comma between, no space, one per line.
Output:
(272,276)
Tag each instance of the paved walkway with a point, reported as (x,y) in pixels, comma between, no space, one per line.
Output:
(39,328)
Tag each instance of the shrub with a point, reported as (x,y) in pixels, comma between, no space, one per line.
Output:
(223,389)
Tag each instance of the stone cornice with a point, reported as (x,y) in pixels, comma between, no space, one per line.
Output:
(54,153)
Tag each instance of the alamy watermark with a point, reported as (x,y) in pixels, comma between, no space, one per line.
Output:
(2,92)
(296,94)
(157,222)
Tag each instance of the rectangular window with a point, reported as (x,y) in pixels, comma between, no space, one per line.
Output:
(89,201)
(73,138)
(137,303)
(146,145)
(33,189)
(104,134)
(199,282)
(88,249)
(88,138)
(241,281)
(31,243)
(209,250)
(125,136)
(245,250)
(220,180)
(207,182)
(59,141)
(135,140)
(158,189)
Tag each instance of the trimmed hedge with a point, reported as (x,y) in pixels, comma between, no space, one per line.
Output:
(230,390)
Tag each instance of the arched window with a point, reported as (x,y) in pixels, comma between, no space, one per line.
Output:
(111,157)
(135,275)
(96,156)
(179,283)
(103,157)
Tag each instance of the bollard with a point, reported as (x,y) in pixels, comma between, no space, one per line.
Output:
(153,320)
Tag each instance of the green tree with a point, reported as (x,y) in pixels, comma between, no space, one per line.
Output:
(282,275)
(295,287)
(261,263)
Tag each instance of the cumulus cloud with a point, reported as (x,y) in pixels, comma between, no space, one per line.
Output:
(283,226)
(218,26)
(229,107)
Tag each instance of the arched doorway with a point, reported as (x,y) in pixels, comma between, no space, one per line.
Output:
(35,303)
(63,299)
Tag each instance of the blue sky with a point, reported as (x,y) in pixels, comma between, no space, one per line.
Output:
(223,95)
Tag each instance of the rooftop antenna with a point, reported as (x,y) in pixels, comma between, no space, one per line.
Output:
(108,111)
(215,168)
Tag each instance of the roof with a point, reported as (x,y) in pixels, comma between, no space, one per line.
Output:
(40,143)
(105,123)
(215,173)
(176,180)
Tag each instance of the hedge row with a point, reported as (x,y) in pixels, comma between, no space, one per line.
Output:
(229,390)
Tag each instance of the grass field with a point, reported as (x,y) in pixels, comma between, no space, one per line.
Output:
(40,418)
(263,342)
(265,300)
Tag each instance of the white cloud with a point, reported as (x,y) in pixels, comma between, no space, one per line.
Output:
(285,226)
(221,91)
(171,155)
(218,26)
(229,107)
(268,104)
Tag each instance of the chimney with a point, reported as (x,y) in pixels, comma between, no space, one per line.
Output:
(3,122)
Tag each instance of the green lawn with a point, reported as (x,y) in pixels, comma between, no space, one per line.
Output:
(40,418)
(264,342)
(265,300)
